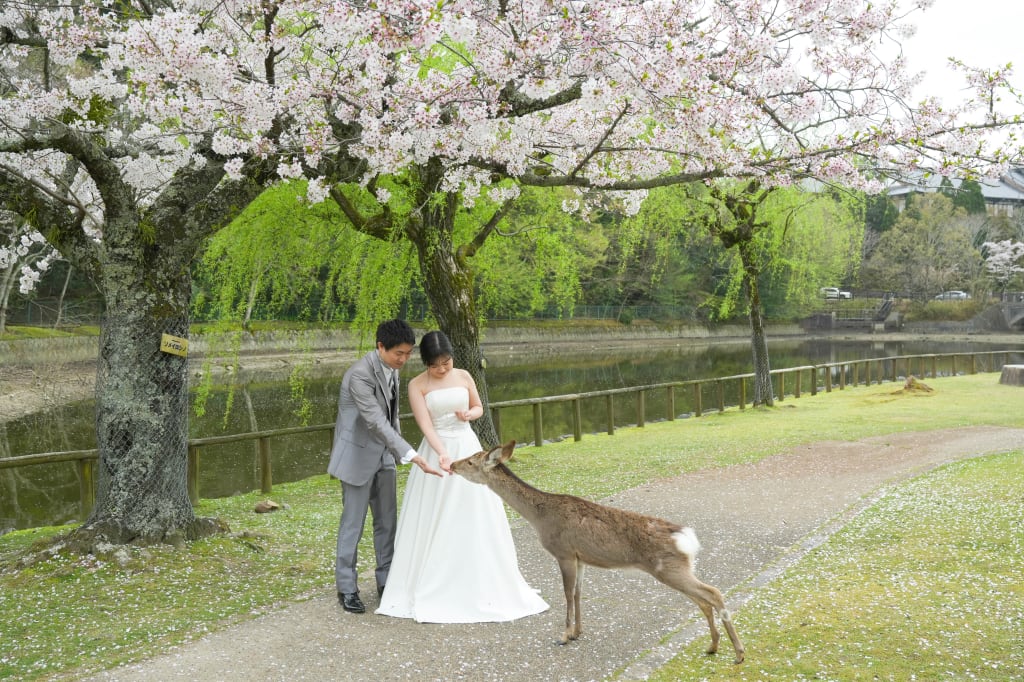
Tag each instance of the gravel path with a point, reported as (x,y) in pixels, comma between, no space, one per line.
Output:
(754,520)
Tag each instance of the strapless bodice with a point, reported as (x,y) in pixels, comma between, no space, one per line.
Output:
(442,404)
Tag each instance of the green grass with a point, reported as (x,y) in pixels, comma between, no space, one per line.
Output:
(67,614)
(924,585)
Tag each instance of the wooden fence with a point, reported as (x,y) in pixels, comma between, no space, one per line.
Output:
(793,381)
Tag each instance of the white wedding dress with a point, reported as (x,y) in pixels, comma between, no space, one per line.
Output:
(454,557)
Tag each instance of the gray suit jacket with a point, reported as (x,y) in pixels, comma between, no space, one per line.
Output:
(366,436)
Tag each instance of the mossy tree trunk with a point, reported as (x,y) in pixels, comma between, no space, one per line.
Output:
(740,230)
(763,392)
(448,283)
(140,265)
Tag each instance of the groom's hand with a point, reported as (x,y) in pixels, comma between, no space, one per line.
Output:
(422,464)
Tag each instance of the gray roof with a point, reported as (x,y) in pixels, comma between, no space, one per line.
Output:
(1009,186)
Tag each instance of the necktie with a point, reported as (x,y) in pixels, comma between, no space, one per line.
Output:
(392,394)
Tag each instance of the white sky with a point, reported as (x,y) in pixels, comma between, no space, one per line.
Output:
(983,33)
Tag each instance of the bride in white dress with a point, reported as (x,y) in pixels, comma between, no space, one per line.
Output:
(454,561)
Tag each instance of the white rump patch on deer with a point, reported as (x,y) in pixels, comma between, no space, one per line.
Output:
(687,543)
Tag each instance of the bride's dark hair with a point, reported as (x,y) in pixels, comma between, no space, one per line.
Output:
(434,346)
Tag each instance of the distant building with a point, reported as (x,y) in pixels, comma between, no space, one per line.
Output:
(1003,197)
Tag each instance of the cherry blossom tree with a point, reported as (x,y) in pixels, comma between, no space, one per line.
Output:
(133,130)
(25,256)
(1004,260)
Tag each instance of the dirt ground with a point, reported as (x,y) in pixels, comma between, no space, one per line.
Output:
(753,520)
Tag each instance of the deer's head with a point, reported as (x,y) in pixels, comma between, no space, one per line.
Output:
(479,466)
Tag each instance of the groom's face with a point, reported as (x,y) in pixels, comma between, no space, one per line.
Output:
(395,357)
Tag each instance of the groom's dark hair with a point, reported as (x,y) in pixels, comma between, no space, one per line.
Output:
(395,332)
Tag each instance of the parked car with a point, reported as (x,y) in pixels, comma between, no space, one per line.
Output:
(834,293)
(955,295)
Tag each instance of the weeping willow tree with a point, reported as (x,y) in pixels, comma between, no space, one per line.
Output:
(537,259)
(782,240)
(359,260)
(770,232)
(285,258)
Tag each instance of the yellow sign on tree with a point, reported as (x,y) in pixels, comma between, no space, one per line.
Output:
(175,345)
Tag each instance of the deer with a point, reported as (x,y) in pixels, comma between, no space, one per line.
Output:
(579,532)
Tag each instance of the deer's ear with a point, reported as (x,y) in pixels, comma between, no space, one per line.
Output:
(493,458)
(507,449)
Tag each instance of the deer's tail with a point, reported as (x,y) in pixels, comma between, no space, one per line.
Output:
(687,542)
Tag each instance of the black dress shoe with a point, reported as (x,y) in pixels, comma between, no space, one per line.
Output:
(351,602)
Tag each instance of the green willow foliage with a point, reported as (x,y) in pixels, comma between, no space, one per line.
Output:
(285,259)
(809,239)
(540,258)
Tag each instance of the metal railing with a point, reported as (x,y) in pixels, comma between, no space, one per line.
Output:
(794,381)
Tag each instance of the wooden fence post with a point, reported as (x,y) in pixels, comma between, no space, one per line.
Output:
(86,486)
(266,475)
(538,425)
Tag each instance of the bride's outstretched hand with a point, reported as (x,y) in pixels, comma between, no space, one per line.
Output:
(446,463)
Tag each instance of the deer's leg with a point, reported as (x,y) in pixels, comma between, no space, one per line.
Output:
(569,581)
(730,629)
(679,575)
(577,595)
(709,615)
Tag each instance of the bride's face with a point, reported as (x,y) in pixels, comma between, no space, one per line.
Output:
(440,368)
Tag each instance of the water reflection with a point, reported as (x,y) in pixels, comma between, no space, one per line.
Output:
(46,494)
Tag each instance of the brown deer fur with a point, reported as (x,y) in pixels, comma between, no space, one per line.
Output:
(576,532)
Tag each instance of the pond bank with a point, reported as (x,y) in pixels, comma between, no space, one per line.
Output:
(39,373)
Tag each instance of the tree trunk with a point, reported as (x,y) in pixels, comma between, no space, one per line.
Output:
(1012,375)
(6,285)
(763,392)
(142,406)
(142,397)
(60,301)
(250,303)
(448,284)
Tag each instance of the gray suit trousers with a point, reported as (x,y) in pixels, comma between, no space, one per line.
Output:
(379,496)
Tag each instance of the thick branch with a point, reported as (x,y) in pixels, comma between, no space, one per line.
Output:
(469,250)
(61,226)
(518,104)
(378,226)
(118,199)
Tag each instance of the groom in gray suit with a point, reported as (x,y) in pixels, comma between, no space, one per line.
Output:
(367,446)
